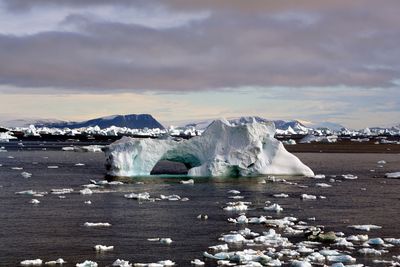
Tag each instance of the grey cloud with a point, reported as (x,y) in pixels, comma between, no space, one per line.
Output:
(232,48)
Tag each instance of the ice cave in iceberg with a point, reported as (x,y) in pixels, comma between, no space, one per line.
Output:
(224,149)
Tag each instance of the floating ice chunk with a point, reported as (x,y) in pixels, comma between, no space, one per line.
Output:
(171,197)
(236,206)
(91,148)
(166,240)
(100,224)
(121,263)
(52,167)
(102,248)
(365,227)
(281,195)
(319,176)
(392,175)
(216,248)
(86,191)
(26,174)
(323,185)
(140,196)
(222,150)
(358,238)
(36,262)
(88,202)
(58,261)
(297,263)
(190,181)
(308,197)
(394,241)
(197,262)
(61,191)
(87,263)
(274,207)
(233,238)
(26,192)
(371,251)
(342,242)
(17,168)
(202,217)
(349,176)
(341,258)
(235,192)
(329,252)
(68,148)
(376,241)
(34,201)
(79,164)
(381,162)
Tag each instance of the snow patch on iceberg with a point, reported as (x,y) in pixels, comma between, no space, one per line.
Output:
(223,150)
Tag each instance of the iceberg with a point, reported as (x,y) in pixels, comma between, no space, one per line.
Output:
(224,149)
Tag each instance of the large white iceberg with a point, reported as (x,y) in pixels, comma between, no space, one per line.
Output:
(223,150)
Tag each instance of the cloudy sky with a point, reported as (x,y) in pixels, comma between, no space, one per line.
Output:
(333,60)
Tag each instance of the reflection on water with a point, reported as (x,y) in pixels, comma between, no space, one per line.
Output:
(54,228)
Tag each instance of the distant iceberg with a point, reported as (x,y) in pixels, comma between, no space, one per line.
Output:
(224,149)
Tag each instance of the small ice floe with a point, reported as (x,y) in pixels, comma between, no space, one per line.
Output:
(381,162)
(139,196)
(197,262)
(274,207)
(323,185)
(26,192)
(242,219)
(121,263)
(36,262)
(235,192)
(52,167)
(308,197)
(376,241)
(371,251)
(342,242)
(393,175)
(102,248)
(163,240)
(91,148)
(34,201)
(88,202)
(170,197)
(62,197)
(349,176)
(86,191)
(17,168)
(281,195)
(297,263)
(26,174)
(58,261)
(202,217)
(341,258)
(319,176)
(190,181)
(233,238)
(79,164)
(165,263)
(237,206)
(236,197)
(10,157)
(216,248)
(394,241)
(365,227)
(68,148)
(99,224)
(357,238)
(61,191)
(87,263)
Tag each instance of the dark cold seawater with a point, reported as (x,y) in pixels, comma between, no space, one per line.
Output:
(54,228)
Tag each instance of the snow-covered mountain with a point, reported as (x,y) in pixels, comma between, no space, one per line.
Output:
(133,121)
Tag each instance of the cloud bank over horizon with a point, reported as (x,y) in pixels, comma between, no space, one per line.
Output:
(183,48)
